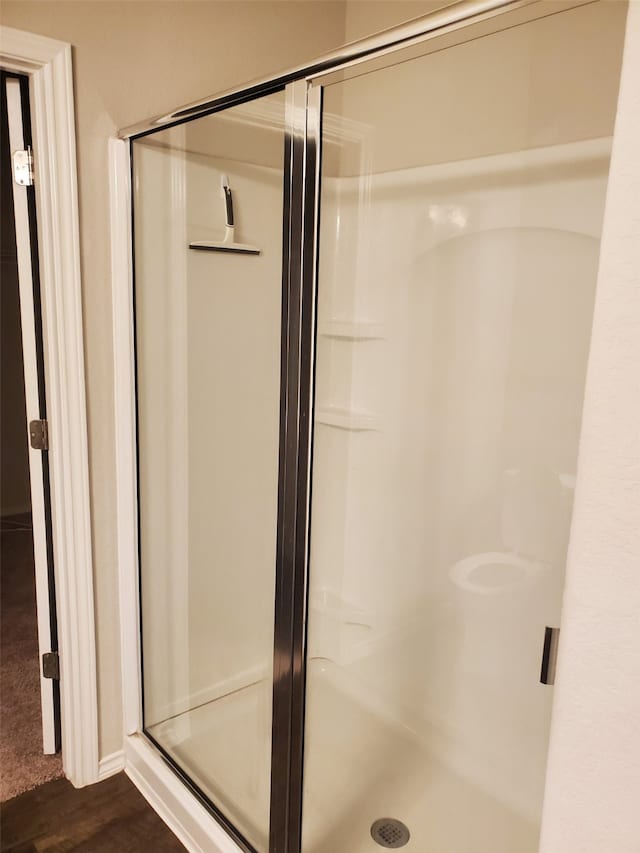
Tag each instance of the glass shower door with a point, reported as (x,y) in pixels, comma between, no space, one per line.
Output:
(462,195)
(208,212)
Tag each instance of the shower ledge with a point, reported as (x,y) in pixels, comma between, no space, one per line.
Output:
(347,419)
(362,330)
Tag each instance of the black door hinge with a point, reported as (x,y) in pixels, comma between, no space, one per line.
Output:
(51,665)
(39,435)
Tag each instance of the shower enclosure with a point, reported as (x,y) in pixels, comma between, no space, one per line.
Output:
(357,442)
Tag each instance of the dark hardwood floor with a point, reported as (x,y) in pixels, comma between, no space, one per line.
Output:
(110,817)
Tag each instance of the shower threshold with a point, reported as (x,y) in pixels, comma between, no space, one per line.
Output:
(358,767)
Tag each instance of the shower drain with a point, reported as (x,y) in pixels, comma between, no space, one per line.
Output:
(388,832)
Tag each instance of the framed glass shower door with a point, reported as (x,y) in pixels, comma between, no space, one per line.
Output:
(208,214)
(462,194)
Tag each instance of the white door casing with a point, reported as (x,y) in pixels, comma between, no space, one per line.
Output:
(47,63)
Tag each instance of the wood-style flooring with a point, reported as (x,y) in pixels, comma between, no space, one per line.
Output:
(109,817)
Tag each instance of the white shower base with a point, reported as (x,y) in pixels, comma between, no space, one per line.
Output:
(359,767)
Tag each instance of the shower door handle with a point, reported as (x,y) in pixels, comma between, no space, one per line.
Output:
(549,655)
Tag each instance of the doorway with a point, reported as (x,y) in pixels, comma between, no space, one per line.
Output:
(30,710)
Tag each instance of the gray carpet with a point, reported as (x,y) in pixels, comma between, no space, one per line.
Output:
(22,763)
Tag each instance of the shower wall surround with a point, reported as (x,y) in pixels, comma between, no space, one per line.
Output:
(442,498)
(461,199)
(201,316)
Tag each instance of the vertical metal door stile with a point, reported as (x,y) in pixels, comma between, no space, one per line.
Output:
(310,222)
(298,317)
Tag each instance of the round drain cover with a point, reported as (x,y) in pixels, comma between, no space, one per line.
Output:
(390,833)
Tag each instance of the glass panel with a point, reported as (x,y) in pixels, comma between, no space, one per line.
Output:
(462,200)
(208,366)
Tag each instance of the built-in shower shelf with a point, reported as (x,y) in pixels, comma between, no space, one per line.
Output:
(353,331)
(348,419)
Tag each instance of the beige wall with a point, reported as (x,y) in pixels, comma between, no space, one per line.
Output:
(133,60)
(365,17)
(508,91)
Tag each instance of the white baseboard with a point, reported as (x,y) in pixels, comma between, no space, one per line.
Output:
(171,800)
(110,765)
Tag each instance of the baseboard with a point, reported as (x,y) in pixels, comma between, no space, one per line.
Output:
(185,816)
(110,765)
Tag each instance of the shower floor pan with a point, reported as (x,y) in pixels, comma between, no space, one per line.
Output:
(359,768)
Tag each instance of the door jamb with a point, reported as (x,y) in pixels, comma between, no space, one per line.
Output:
(48,65)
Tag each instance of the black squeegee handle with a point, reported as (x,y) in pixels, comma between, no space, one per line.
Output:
(228,200)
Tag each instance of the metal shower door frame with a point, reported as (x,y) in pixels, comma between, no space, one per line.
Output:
(300,239)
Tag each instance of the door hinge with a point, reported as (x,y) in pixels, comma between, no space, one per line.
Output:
(39,434)
(51,665)
(23,167)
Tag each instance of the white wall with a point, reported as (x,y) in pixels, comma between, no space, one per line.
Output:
(474,389)
(234,407)
(593,784)
(365,17)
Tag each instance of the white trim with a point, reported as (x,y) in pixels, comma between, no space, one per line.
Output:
(187,818)
(111,764)
(125,433)
(48,65)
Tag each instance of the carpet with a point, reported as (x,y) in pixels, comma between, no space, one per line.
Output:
(22,763)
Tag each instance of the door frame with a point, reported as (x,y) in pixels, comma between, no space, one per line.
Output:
(48,65)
